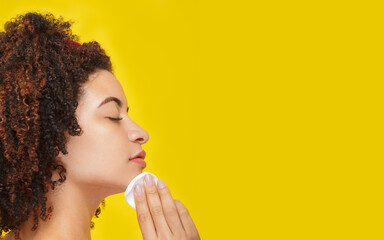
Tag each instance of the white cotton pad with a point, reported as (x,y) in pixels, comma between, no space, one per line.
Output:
(129,197)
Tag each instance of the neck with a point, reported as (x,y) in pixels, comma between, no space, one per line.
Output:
(73,209)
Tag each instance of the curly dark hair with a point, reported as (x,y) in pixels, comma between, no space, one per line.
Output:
(42,69)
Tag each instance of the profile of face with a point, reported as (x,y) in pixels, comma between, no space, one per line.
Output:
(98,160)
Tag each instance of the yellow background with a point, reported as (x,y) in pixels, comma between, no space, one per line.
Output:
(265,117)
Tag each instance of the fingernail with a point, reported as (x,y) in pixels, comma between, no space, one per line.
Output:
(138,189)
(160,183)
(148,180)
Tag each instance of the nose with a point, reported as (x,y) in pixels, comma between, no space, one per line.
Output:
(137,134)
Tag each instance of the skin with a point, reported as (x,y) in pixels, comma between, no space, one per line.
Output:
(160,216)
(98,166)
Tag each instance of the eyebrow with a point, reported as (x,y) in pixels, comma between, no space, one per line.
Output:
(109,99)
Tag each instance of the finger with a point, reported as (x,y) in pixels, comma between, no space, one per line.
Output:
(169,208)
(186,220)
(143,215)
(155,207)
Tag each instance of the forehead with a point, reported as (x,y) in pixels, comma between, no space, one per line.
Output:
(102,84)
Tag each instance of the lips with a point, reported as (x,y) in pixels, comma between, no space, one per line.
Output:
(139,158)
(141,154)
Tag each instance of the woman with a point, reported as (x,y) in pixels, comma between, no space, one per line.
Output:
(66,138)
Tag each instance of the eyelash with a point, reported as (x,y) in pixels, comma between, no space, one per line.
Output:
(115,119)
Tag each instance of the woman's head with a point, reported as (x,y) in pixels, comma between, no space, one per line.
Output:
(50,120)
(99,158)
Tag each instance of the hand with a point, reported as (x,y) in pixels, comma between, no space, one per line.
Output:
(160,216)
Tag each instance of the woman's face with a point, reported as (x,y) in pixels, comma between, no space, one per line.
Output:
(99,158)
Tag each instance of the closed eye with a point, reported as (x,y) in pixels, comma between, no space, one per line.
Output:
(115,119)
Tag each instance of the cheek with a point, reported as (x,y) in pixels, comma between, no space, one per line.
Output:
(97,154)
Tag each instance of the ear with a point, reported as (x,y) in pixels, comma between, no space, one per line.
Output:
(60,158)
